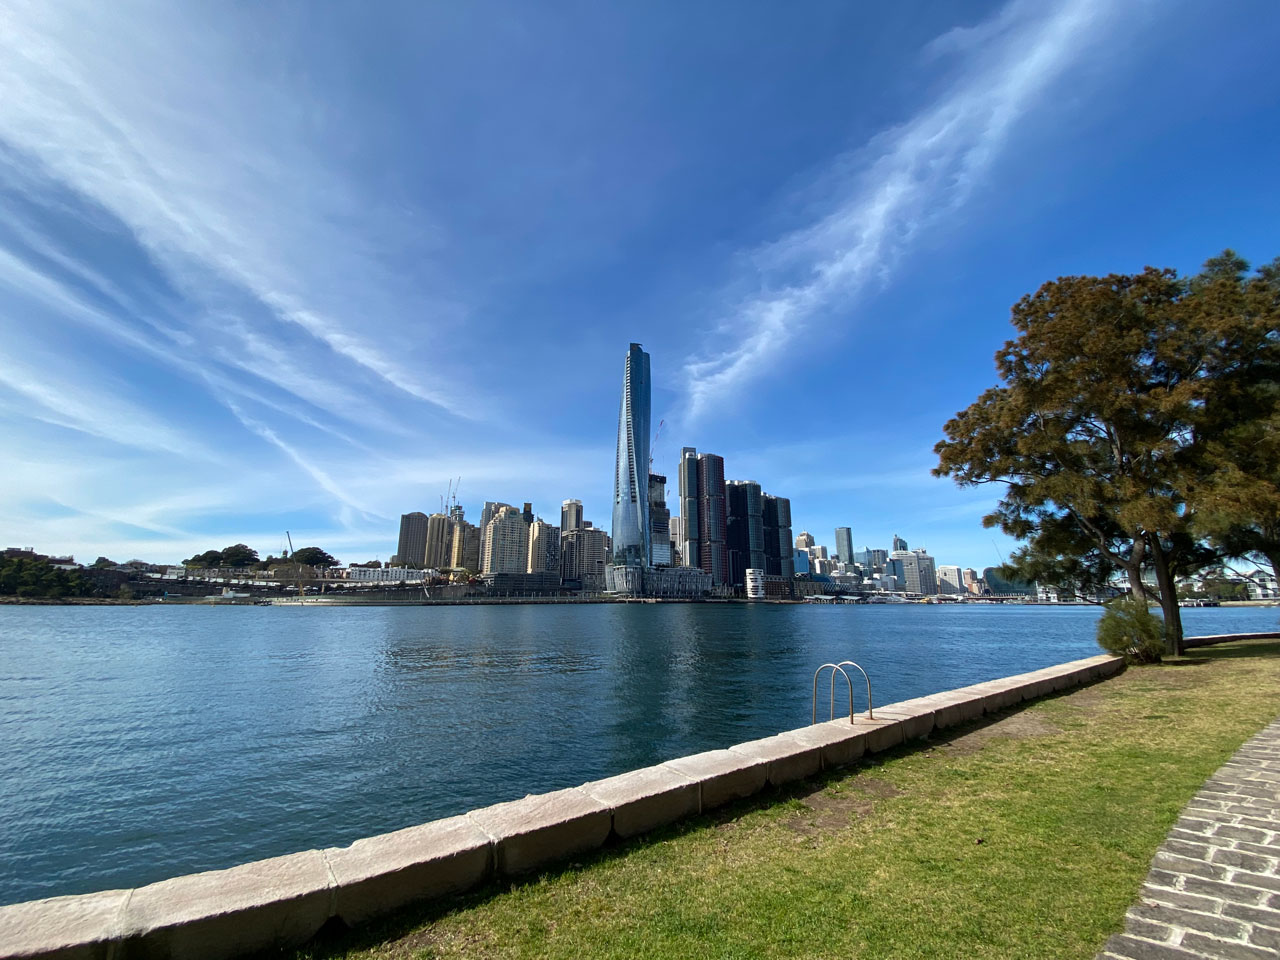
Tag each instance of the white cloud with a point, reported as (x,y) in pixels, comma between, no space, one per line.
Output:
(180,143)
(904,181)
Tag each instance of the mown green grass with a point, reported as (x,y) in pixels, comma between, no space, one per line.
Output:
(1027,837)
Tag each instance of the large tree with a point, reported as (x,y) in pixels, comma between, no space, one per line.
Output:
(1100,428)
(313,557)
(1236,489)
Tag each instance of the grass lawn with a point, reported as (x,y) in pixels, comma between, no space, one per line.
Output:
(1023,836)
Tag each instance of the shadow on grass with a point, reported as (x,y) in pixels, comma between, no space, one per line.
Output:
(1234,649)
(337,940)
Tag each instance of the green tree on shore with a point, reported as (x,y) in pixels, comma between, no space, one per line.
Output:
(1120,398)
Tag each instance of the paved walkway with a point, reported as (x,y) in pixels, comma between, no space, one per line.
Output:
(1214,886)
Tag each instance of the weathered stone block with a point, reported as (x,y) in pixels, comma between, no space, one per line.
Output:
(543,828)
(647,798)
(722,775)
(840,741)
(917,717)
(62,928)
(959,708)
(378,874)
(225,913)
(882,734)
(789,758)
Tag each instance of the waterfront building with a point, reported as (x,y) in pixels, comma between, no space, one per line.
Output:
(670,582)
(713,552)
(951,580)
(745,534)
(506,543)
(659,521)
(915,569)
(584,553)
(465,552)
(754,581)
(388,574)
(800,561)
(439,546)
(542,583)
(687,484)
(544,548)
(778,544)
(631,531)
(570,515)
(844,544)
(412,547)
(899,544)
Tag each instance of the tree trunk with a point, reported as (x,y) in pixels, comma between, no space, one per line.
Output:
(1168,597)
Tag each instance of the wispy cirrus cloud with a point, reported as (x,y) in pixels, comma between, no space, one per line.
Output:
(904,181)
(230,201)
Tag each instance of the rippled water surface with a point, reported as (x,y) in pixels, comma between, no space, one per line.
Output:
(138,743)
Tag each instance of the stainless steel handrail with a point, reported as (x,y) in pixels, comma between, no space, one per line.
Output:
(834,667)
(850,663)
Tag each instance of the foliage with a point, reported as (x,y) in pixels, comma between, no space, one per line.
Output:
(1113,395)
(239,555)
(103,563)
(236,555)
(1129,629)
(37,578)
(313,557)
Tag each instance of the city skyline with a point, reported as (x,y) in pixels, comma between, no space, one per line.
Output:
(243,290)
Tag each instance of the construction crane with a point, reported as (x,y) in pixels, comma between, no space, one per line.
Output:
(654,446)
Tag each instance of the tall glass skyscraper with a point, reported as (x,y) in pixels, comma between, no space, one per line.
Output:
(844,544)
(631,533)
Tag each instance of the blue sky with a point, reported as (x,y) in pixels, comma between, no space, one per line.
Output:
(269,266)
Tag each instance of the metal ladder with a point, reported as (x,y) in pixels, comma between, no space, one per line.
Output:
(839,668)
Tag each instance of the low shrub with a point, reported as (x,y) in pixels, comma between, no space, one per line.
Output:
(1128,628)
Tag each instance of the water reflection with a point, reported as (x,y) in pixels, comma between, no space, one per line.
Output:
(140,743)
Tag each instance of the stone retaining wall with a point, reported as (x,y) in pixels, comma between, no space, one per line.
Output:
(1212,639)
(285,900)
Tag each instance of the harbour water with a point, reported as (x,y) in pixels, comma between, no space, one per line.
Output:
(138,743)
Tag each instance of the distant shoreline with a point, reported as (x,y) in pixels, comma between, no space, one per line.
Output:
(513,601)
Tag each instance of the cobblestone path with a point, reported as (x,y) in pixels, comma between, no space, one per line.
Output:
(1214,886)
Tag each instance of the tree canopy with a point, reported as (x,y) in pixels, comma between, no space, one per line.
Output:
(36,577)
(1122,399)
(313,557)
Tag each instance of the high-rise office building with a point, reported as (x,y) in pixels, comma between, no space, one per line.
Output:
(465,551)
(927,572)
(804,541)
(413,538)
(506,543)
(844,544)
(687,485)
(570,515)
(544,547)
(899,544)
(456,512)
(584,551)
(659,521)
(631,468)
(779,548)
(951,580)
(528,513)
(491,508)
(439,546)
(745,534)
(713,554)
(871,558)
